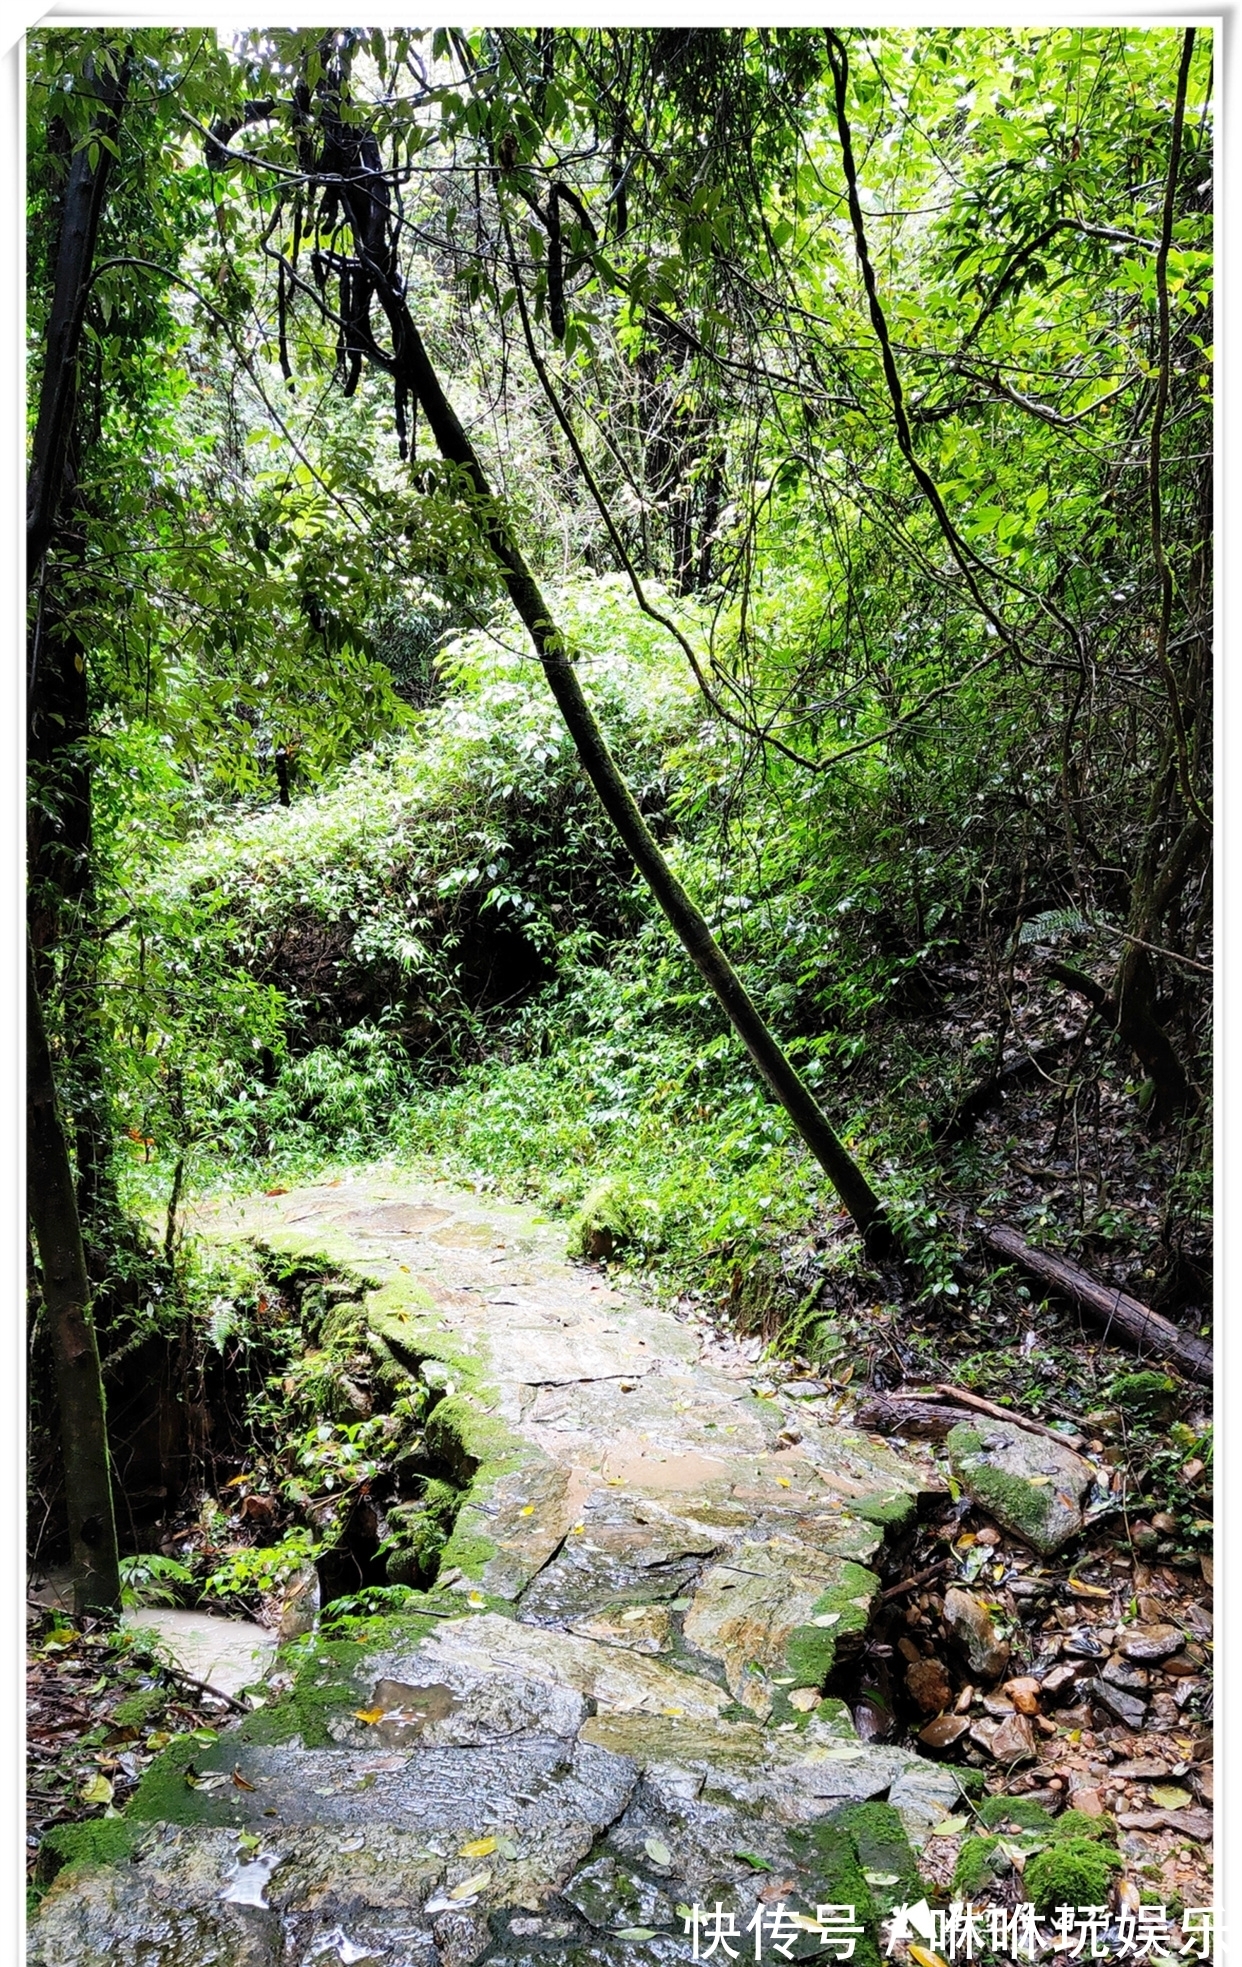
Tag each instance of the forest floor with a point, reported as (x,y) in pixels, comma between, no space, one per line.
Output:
(687,1581)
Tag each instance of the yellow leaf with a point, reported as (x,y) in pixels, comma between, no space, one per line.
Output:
(924,1956)
(578,1529)
(369,1714)
(479,1847)
(98,1790)
(469,1886)
(782,1482)
(475,1598)
(1081,1590)
(528,1509)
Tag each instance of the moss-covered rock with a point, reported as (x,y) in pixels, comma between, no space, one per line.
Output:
(1031,1485)
(101,1841)
(1072,1871)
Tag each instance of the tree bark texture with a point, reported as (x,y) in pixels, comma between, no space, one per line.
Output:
(66,1297)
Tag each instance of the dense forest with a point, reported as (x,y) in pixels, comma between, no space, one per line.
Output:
(620,618)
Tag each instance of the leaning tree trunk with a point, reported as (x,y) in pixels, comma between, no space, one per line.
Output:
(66,1297)
(414,373)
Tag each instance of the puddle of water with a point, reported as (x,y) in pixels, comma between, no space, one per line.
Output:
(227,1654)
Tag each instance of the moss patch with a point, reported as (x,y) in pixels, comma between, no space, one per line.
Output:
(973,1868)
(102,1841)
(811,1651)
(1073,1871)
(889,1512)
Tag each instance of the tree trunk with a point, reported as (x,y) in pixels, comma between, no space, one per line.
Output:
(414,370)
(66,1296)
(60,699)
(81,210)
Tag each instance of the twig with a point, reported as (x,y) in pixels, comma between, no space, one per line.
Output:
(203,1687)
(1007,1414)
(919,1578)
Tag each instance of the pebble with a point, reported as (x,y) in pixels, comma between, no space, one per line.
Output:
(944,1731)
(1024,1693)
(1117,1702)
(1149,1642)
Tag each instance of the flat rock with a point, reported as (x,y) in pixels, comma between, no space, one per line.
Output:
(927,1792)
(621,1550)
(610,1676)
(756,1612)
(1032,1485)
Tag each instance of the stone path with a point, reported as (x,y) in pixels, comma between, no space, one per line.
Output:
(606,1713)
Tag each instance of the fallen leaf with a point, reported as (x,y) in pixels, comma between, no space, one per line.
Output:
(1082,1590)
(949,1827)
(527,1509)
(804,1699)
(469,1886)
(635,1932)
(782,1482)
(752,1859)
(1169,1797)
(99,1790)
(240,1780)
(881,1877)
(658,1851)
(479,1847)
(924,1956)
(825,1618)
(369,1714)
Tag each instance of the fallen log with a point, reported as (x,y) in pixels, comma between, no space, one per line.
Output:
(898,1413)
(1122,1316)
(935,1411)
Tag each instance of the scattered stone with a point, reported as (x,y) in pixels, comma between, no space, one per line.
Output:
(1180,1667)
(1014,1740)
(1088,1801)
(805,1389)
(1191,1823)
(1115,1701)
(1119,1673)
(944,1731)
(1024,1693)
(1165,1522)
(1149,1642)
(1144,1770)
(972,1625)
(1059,1682)
(1032,1485)
(929,1685)
(1083,1645)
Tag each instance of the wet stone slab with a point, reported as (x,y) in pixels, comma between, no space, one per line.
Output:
(556,1781)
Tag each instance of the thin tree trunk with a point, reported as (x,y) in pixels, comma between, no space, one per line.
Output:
(81,211)
(414,370)
(66,1296)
